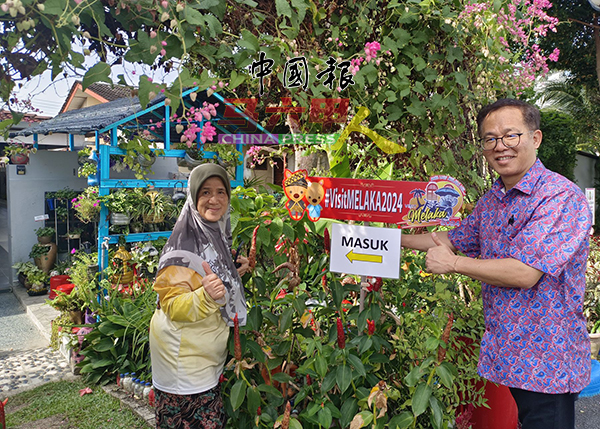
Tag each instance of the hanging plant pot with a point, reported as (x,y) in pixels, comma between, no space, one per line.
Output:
(181,162)
(119,218)
(191,162)
(144,162)
(93,180)
(19,159)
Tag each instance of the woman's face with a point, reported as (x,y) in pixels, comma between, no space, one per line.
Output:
(213,201)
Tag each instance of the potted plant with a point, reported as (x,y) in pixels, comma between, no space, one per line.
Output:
(45,234)
(19,152)
(38,279)
(155,206)
(74,233)
(44,256)
(140,154)
(87,205)
(23,268)
(119,203)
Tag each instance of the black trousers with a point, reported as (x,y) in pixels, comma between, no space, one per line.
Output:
(545,410)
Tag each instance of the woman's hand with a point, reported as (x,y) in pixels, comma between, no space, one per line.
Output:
(212,283)
(245,265)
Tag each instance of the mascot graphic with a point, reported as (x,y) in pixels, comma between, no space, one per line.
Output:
(295,186)
(315,194)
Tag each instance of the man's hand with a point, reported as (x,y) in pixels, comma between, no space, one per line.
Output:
(212,284)
(440,258)
(245,265)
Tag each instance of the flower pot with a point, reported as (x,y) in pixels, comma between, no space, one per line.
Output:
(119,218)
(37,290)
(19,159)
(46,262)
(141,159)
(76,317)
(74,236)
(595,344)
(21,277)
(46,239)
(191,162)
(56,281)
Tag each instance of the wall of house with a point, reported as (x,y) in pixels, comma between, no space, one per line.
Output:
(585,171)
(47,171)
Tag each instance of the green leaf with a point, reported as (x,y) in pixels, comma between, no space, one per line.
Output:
(253,399)
(413,376)
(447,373)
(401,421)
(285,320)
(104,344)
(328,382)
(420,399)
(321,366)
(282,377)
(343,377)
(324,417)
(248,41)
(99,73)
(283,8)
(357,364)
(432,343)
(102,362)
(295,424)
(214,25)
(192,16)
(236,79)
(437,413)
(349,409)
(238,393)
(269,389)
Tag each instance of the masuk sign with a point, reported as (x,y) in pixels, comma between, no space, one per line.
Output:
(366,250)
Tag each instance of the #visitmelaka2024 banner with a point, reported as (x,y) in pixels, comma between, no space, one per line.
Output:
(408,204)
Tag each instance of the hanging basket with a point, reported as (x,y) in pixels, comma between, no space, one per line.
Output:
(191,162)
(152,218)
(19,159)
(141,159)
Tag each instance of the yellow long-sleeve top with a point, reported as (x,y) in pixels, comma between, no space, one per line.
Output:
(188,336)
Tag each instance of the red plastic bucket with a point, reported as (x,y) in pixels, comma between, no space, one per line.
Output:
(66,288)
(502,414)
(56,281)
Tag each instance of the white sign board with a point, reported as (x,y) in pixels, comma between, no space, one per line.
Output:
(365,251)
(41,217)
(590,195)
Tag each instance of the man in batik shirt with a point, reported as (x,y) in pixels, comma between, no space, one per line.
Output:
(527,242)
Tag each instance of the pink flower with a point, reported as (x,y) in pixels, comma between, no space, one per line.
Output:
(163,52)
(164,43)
(73,251)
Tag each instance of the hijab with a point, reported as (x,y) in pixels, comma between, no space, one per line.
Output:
(195,239)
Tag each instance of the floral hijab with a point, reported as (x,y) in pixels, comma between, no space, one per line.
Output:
(194,240)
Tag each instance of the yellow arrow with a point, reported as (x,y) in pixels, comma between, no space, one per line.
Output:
(378,259)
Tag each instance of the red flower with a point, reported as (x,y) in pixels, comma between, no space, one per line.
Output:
(252,253)
(281,294)
(341,337)
(326,241)
(308,380)
(371,327)
(375,284)
(237,347)
(258,412)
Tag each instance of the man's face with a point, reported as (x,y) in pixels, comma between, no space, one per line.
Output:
(510,163)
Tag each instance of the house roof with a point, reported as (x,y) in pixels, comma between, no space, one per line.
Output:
(88,119)
(101,116)
(28,117)
(101,91)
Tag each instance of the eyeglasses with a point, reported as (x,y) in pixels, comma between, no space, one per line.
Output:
(508,140)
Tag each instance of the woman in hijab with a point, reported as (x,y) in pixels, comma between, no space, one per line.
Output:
(199,294)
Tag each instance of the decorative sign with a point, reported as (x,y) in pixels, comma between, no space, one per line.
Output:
(590,195)
(21,171)
(41,218)
(365,250)
(409,204)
